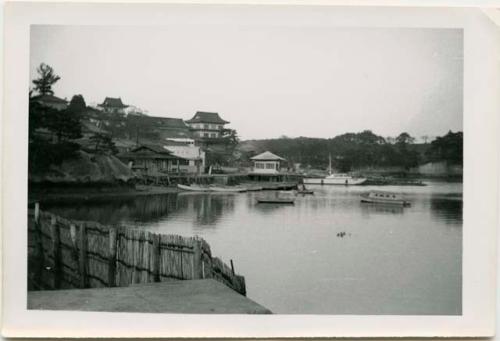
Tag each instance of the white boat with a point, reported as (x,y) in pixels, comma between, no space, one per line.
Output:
(228,189)
(335,179)
(378,197)
(194,188)
(221,189)
(275,201)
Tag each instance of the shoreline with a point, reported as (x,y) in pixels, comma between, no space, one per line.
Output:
(76,194)
(68,196)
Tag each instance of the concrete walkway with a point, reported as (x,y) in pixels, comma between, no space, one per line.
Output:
(205,296)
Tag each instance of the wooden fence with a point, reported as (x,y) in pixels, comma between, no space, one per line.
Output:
(80,254)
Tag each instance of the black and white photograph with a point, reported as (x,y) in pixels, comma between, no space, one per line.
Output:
(327,182)
(247,164)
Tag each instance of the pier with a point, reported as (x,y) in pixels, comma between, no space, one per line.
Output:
(267,181)
(205,296)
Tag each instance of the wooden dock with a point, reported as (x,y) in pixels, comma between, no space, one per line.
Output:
(285,179)
(206,296)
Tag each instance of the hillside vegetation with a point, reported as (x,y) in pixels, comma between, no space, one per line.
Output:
(357,150)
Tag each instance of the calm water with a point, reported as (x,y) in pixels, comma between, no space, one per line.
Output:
(390,261)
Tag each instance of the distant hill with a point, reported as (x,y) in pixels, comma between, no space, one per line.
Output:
(347,151)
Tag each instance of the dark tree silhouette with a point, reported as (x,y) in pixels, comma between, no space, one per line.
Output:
(77,104)
(103,143)
(447,148)
(47,78)
(405,139)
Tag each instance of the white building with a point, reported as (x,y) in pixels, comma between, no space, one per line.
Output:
(267,163)
(206,125)
(193,155)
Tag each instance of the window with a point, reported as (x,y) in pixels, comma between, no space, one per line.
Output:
(213,135)
(205,134)
(270,166)
(206,126)
(259,165)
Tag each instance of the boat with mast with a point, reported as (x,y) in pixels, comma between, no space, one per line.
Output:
(335,178)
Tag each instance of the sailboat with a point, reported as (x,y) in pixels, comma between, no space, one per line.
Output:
(335,178)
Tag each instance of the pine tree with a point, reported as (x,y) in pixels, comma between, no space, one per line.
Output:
(47,78)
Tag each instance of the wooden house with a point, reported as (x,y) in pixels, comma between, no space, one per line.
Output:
(152,160)
(267,163)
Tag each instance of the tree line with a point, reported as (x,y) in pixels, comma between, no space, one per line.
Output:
(365,149)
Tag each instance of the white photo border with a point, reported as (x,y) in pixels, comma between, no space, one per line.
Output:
(481,127)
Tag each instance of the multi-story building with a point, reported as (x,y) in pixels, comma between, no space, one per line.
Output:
(113,106)
(206,125)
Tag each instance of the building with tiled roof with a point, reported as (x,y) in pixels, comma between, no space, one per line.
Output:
(267,163)
(152,159)
(206,124)
(113,105)
(160,128)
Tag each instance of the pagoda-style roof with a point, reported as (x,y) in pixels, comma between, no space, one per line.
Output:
(267,156)
(207,117)
(110,102)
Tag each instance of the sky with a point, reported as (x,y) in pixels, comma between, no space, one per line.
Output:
(268,81)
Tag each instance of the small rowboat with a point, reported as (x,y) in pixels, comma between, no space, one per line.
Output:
(275,201)
(228,189)
(194,188)
(377,197)
(254,188)
(305,191)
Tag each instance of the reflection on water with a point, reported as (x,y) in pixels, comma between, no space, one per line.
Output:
(395,260)
(370,209)
(207,208)
(447,210)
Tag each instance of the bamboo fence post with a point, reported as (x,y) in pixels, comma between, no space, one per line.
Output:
(197,267)
(74,244)
(156,257)
(56,250)
(112,258)
(82,259)
(232,266)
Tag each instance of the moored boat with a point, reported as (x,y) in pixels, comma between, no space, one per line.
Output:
(228,189)
(378,197)
(335,179)
(194,188)
(254,188)
(276,201)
